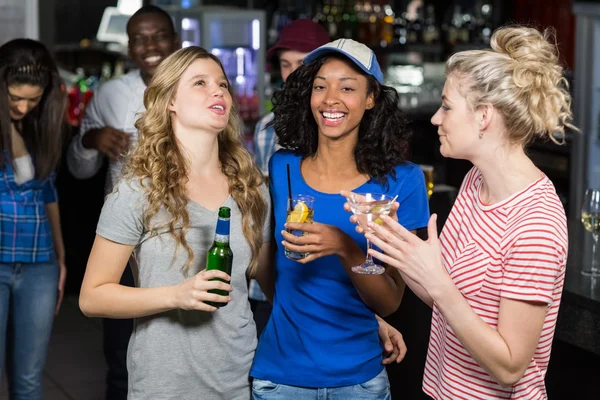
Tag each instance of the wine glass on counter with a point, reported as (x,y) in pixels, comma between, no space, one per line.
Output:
(590,217)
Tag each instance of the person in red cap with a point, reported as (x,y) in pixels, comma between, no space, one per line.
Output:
(296,40)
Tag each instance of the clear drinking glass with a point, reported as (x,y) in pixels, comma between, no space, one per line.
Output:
(302,211)
(590,217)
(369,207)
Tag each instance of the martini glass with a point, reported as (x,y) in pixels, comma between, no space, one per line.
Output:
(369,207)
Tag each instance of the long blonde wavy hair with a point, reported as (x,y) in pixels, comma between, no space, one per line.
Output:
(522,77)
(159,164)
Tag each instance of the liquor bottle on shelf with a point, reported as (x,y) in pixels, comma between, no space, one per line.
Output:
(272,33)
(376,20)
(364,24)
(373,25)
(387,26)
(400,29)
(415,26)
(281,17)
(105,75)
(349,20)
(469,27)
(326,11)
(304,9)
(78,98)
(485,26)
(289,14)
(431,33)
(456,31)
(334,19)
(320,16)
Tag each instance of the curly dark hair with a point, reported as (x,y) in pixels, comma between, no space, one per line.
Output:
(383,134)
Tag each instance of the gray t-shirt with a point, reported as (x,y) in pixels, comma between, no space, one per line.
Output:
(184,354)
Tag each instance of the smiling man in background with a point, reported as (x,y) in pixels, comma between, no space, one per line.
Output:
(107,130)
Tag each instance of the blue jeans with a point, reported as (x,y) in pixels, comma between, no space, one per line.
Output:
(28,293)
(377,388)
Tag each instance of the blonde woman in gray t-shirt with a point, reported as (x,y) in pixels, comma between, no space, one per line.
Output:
(189,162)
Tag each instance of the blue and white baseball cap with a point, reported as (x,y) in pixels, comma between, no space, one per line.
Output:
(355,51)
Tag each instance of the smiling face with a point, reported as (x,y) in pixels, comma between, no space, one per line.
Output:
(22,99)
(202,100)
(339,99)
(457,124)
(151,40)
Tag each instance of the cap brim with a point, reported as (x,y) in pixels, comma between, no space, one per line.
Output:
(272,52)
(313,55)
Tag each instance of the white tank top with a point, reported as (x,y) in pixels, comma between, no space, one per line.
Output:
(24,170)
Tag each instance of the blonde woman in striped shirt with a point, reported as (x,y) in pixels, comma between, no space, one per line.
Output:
(494,277)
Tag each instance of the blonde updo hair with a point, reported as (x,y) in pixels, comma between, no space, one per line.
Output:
(522,78)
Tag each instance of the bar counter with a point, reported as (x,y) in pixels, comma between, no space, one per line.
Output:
(579,316)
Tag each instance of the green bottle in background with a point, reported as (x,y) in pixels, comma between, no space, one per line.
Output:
(220,256)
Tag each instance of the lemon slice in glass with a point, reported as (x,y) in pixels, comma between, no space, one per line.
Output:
(377,209)
(299,213)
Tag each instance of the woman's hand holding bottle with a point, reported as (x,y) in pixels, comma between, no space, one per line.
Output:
(192,294)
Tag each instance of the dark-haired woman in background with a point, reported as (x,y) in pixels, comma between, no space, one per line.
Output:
(32,255)
(344,131)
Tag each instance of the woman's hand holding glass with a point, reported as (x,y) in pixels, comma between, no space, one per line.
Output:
(354,220)
(318,240)
(417,259)
(369,207)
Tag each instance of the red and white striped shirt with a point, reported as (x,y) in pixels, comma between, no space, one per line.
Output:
(515,249)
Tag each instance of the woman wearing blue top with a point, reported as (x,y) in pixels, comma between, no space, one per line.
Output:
(343,131)
(32,255)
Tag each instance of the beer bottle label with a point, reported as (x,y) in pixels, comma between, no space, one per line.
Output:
(222,232)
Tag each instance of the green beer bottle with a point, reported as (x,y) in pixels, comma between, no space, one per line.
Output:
(220,256)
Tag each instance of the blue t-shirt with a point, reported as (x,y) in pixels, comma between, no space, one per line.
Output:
(321,334)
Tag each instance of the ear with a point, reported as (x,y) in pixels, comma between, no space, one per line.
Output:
(176,43)
(171,106)
(484,116)
(370,101)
